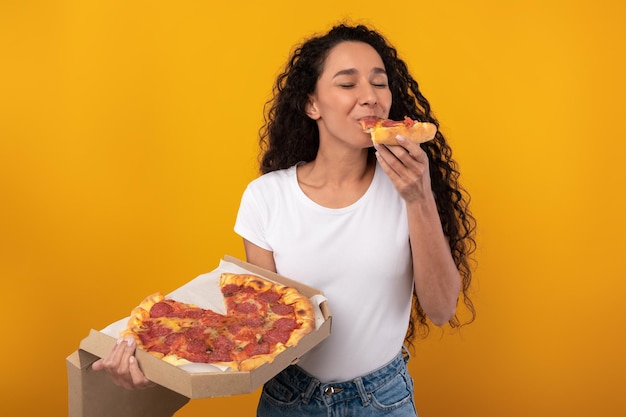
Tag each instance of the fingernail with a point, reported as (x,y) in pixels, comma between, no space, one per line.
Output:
(130,341)
(400,139)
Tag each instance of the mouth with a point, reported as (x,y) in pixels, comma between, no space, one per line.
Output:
(368,122)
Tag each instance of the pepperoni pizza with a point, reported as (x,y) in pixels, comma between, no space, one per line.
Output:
(262,319)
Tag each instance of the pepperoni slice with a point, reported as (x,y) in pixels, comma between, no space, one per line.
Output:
(145,339)
(158,331)
(286,324)
(193,313)
(262,348)
(197,346)
(389,123)
(231,305)
(276,336)
(282,309)
(235,328)
(194,333)
(246,308)
(210,319)
(230,289)
(174,339)
(269,296)
(161,309)
(223,344)
(248,290)
(164,349)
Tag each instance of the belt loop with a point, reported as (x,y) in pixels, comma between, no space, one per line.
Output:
(406,355)
(310,390)
(365,398)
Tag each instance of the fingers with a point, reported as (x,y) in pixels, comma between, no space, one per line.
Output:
(98,365)
(404,158)
(139,380)
(407,167)
(122,366)
(412,149)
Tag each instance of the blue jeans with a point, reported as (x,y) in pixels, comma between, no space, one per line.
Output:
(386,391)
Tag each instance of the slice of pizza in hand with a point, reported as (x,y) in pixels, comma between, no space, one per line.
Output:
(384,131)
(263,318)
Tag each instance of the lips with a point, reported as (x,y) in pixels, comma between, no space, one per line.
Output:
(368,122)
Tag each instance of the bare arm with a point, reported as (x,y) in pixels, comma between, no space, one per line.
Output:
(437,279)
(259,256)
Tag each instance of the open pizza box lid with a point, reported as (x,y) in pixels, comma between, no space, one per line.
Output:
(93,394)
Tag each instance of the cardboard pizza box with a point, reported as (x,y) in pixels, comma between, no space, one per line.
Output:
(92,394)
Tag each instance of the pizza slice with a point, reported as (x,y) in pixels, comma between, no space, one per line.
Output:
(384,131)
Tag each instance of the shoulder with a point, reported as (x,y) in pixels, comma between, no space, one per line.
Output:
(273,179)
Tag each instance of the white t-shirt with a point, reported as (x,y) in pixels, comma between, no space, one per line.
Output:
(358,256)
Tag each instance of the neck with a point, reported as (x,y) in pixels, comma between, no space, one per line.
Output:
(333,168)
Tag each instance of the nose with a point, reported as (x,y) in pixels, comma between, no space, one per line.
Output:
(368,95)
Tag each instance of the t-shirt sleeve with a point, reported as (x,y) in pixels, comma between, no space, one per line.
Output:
(252,217)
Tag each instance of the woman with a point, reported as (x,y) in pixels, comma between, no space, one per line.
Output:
(383,231)
(369,226)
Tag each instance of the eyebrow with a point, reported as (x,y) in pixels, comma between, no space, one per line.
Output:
(351,71)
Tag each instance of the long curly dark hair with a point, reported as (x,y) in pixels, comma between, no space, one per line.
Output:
(290,136)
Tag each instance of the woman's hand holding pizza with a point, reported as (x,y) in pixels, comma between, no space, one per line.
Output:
(406,165)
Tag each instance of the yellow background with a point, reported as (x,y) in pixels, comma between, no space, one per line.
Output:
(128,130)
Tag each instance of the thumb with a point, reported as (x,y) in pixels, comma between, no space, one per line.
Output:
(98,365)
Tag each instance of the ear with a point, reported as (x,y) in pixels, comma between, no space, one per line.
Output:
(311,108)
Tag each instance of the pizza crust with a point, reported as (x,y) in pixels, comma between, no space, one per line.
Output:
(139,315)
(247,280)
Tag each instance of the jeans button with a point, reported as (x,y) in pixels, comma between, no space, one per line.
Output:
(329,391)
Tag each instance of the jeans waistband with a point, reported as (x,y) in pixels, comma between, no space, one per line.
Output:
(340,391)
